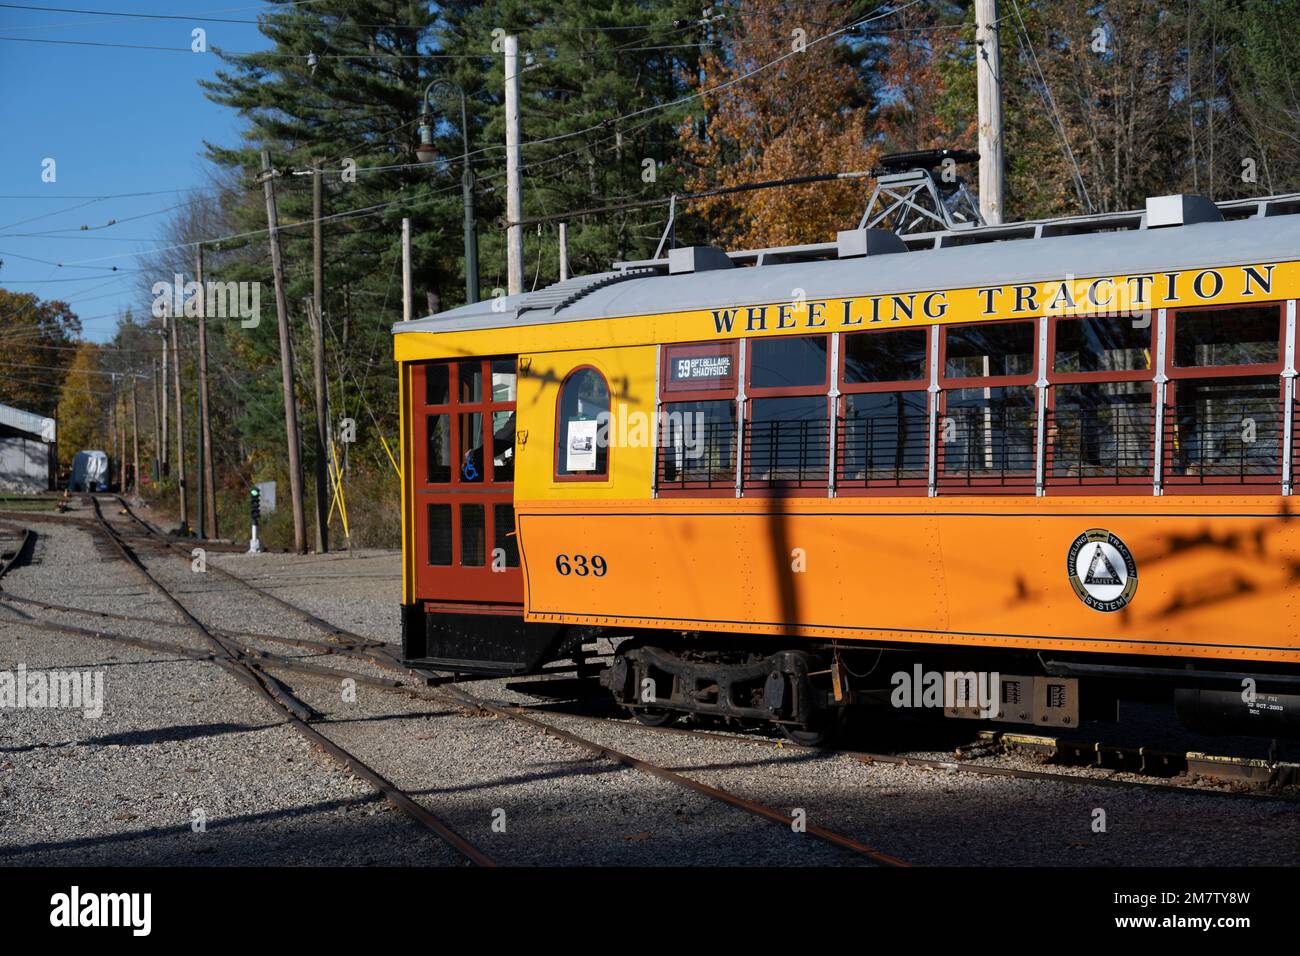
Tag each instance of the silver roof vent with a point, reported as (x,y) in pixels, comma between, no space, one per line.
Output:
(1182,209)
(852,243)
(697,259)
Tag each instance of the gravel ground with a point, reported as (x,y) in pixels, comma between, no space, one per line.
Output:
(179,735)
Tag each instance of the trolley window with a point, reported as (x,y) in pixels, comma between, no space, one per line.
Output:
(696,440)
(987,425)
(787,432)
(1224,409)
(884,421)
(581,443)
(1100,412)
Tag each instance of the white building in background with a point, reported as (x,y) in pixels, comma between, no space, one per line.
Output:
(28,452)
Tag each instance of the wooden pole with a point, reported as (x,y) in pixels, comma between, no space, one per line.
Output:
(157,424)
(166,360)
(119,413)
(317,313)
(406,270)
(184,492)
(514,185)
(564,251)
(286,358)
(135,439)
(988,66)
(207,473)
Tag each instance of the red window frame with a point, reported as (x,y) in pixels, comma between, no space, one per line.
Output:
(776,488)
(559,438)
(1022,482)
(454,409)
(672,393)
(1189,484)
(881,486)
(1102,485)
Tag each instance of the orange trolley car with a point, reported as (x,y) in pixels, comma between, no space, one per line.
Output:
(1060,452)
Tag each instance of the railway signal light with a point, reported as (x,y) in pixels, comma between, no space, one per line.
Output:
(255,511)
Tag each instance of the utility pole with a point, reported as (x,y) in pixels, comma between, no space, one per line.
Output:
(166,461)
(115,422)
(135,438)
(406,270)
(200,502)
(286,357)
(317,314)
(207,473)
(121,441)
(180,435)
(988,66)
(157,426)
(564,251)
(514,189)
(322,429)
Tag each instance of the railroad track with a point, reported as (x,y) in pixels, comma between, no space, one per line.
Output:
(965,765)
(1132,758)
(12,556)
(334,632)
(227,651)
(753,807)
(249,667)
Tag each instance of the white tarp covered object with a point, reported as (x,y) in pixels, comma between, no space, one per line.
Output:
(89,472)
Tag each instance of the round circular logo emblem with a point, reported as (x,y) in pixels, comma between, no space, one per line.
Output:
(1102,571)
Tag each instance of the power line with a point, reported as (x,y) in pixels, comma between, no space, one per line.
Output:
(686,197)
(155,192)
(348,214)
(249,54)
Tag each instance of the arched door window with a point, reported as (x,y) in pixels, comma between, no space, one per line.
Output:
(581,445)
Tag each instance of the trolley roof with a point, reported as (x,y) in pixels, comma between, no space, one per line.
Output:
(1260,231)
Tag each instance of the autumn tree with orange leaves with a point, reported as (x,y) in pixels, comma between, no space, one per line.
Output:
(808,113)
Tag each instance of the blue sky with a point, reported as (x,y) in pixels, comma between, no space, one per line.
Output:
(115,121)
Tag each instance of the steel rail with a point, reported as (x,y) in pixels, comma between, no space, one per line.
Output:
(929,763)
(662,773)
(264,684)
(342,650)
(305,615)
(226,658)
(24,543)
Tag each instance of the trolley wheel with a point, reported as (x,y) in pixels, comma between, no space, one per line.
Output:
(655,718)
(824,728)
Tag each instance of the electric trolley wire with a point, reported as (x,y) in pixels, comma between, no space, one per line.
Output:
(686,197)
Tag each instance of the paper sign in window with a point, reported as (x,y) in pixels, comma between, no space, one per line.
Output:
(580,446)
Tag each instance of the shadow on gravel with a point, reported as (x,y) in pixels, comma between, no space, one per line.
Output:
(354,832)
(137,738)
